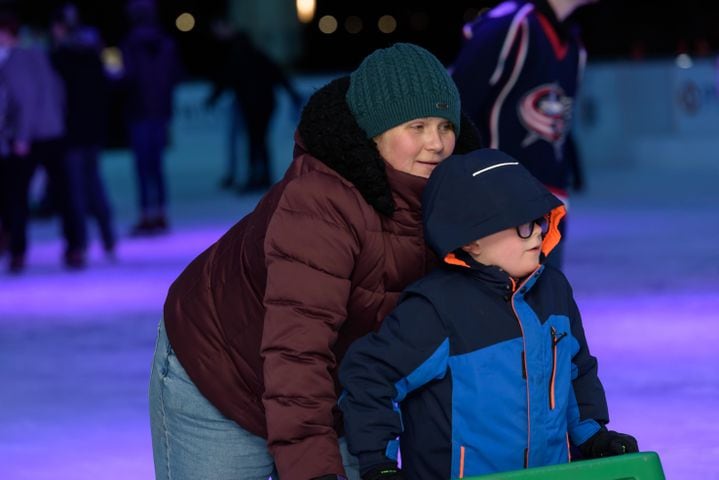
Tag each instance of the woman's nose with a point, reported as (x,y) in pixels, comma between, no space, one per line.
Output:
(434,142)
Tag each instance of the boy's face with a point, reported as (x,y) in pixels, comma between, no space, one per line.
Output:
(418,146)
(507,250)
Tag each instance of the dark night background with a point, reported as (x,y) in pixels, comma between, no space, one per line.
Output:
(611,29)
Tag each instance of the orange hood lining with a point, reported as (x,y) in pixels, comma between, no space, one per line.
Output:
(452,259)
(552,237)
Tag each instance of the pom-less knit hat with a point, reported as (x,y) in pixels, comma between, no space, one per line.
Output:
(398,84)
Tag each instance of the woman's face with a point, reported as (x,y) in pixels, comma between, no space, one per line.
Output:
(417,146)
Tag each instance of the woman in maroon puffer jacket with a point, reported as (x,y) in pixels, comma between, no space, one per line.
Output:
(244,378)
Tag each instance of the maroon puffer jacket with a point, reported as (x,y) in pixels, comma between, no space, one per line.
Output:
(261,319)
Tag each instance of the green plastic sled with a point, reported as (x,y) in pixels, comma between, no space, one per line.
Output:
(632,466)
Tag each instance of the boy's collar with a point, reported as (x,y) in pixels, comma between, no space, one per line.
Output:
(496,278)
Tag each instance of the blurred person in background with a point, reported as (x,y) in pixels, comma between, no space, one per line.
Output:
(253,77)
(76,57)
(518,74)
(222,35)
(243,384)
(34,136)
(6,139)
(151,72)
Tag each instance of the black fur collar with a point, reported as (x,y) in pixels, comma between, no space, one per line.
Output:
(331,134)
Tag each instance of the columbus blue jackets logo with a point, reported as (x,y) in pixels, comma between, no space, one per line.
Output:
(545,112)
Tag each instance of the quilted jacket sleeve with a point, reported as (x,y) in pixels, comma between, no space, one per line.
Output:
(311,246)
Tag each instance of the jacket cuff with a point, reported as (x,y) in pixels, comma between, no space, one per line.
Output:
(371,460)
(583,431)
(310,458)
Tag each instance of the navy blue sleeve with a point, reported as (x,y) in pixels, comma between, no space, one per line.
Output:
(477,62)
(588,390)
(379,370)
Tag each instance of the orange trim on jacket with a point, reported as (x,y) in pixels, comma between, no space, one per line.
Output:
(452,259)
(551,239)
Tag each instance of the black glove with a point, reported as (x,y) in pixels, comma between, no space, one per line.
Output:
(607,443)
(384,472)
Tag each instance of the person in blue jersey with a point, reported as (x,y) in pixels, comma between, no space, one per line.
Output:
(483,366)
(518,73)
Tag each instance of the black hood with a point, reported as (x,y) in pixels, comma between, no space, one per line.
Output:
(330,133)
(480,193)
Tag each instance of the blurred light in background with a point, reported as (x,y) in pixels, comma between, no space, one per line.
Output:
(293,36)
(112,59)
(684,61)
(387,24)
(327,24)
(353,24)
(306,10)
(185,22)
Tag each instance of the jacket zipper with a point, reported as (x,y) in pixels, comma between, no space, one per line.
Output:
(525,373)
(555,340)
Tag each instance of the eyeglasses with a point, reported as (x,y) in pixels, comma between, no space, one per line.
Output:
(525,230)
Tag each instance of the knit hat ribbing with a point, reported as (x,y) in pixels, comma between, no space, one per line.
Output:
(398,84)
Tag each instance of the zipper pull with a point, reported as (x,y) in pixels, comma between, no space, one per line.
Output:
(557,337)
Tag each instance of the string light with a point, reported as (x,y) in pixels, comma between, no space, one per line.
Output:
(185,22)
(387,24)
(327,24)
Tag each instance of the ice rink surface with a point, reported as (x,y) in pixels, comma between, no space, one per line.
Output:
(75,347)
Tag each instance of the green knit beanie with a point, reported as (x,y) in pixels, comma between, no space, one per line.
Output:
(398,84)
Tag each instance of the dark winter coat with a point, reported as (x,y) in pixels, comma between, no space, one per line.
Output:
(151,71)
(87,92)
(253,77)
(261,319)
(34,96)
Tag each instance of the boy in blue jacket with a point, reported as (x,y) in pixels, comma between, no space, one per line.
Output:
(483,366)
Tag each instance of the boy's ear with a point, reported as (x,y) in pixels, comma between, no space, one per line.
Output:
(472,248)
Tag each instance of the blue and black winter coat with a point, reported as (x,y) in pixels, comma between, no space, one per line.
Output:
(474,372)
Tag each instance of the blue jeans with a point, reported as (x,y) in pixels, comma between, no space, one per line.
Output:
(86,194)
(148,139)
(235,139)
(191,439)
